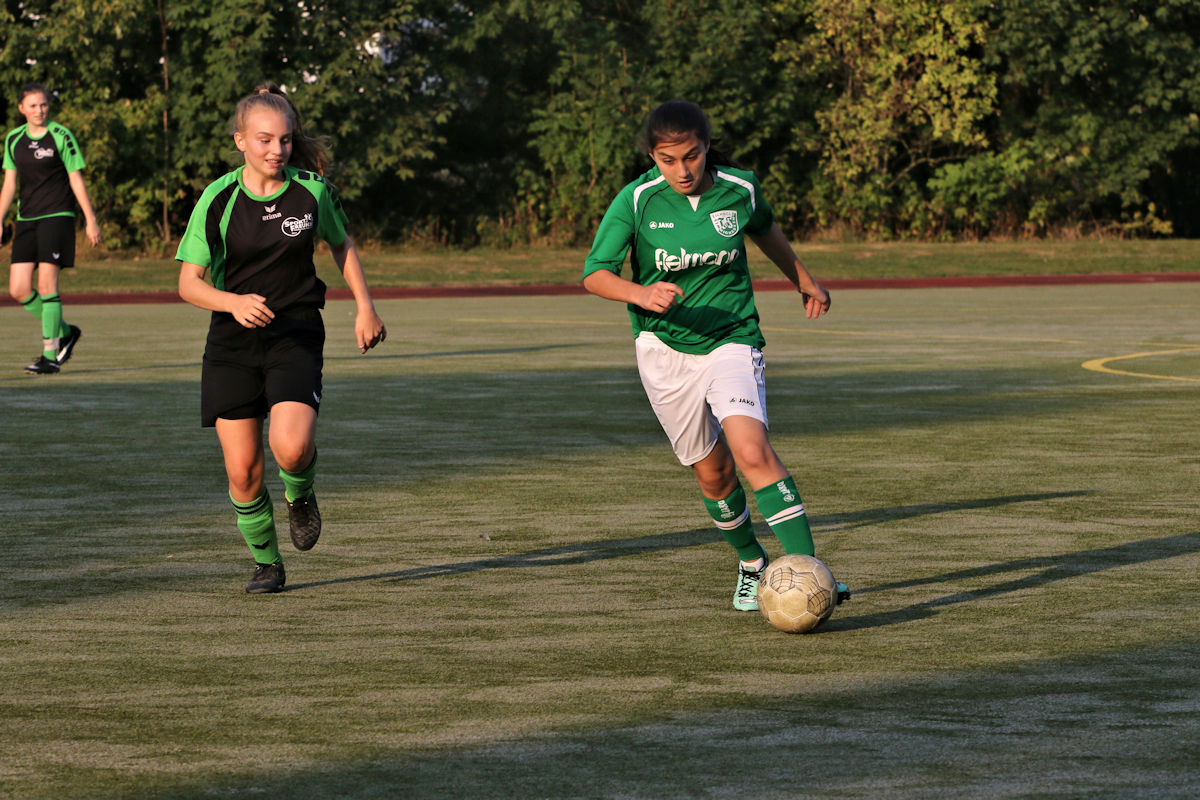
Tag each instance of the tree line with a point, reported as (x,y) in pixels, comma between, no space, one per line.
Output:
(504,122)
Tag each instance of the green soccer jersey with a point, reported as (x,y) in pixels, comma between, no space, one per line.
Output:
(697,243)
(264,245)
(42,167)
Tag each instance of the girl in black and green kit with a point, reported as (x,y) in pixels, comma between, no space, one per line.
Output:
(253,232)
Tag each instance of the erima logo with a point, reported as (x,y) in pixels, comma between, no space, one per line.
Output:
(294,227)
(55,256)
(317,397)
(271,213)
(654,225)
(726,222)
(666,262)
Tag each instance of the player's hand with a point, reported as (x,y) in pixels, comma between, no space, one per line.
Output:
(250,310)
(93,232)
(659,297)
(369,330)
(816,300)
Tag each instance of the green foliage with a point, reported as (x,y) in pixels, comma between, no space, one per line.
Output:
(906,96)
(513,121)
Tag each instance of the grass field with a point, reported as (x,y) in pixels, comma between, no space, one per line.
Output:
(401,267)
(518,595)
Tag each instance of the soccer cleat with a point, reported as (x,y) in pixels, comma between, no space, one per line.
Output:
(268,579)
(43,366)
(843,594)
(304,518)
(745,594)
(68,344)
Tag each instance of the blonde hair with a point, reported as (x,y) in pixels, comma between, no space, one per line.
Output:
(308,152)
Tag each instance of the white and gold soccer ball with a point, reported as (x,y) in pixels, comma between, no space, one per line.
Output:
(797,593)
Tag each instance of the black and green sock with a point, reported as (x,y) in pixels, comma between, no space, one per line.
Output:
(732,517)
(780,504)
(297,485)
(256,521)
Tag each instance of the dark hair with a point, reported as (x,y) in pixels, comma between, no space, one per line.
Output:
(33,88)
(308,152)
(675,119)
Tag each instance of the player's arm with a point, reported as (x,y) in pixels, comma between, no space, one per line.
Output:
(657,297)
(369,329)
(79,188)
(250,310)
(775,246)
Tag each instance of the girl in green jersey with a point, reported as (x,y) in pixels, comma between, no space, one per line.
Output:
(683,225)
(44,158)
(254,231)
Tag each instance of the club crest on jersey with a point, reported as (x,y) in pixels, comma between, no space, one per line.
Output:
(294,227)
(726,222)
(43,152)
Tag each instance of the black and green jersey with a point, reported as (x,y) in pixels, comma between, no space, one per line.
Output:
(42,166)
(264,245)
(697,242)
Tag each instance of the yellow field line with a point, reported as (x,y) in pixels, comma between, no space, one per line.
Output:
(1098,365)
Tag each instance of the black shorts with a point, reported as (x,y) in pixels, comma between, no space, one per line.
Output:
(248,370)
(50,240)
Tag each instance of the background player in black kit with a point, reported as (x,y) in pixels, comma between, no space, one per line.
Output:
(44,158)
(254,231)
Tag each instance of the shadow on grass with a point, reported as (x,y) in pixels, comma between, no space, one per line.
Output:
(874,516)
(581,553)
(585,552)
(1052,568)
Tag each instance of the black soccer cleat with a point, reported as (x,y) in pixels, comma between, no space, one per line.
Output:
(43,366)
(268,579)
(304,519)
(68,344)
(843,593)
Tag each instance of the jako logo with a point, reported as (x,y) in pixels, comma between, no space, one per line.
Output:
(294,227)
(666,262)
(654,225)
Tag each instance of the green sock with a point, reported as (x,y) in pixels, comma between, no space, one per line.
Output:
(299,484)
(33,304)
(256,521)
(732,517)
(52,325)
(784,511)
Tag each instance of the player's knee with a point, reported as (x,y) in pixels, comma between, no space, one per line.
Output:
(245,480)
(292,456)
(756,457)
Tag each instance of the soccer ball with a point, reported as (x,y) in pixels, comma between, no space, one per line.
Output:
(797,593)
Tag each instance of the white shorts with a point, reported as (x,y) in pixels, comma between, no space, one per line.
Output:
(692,394)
